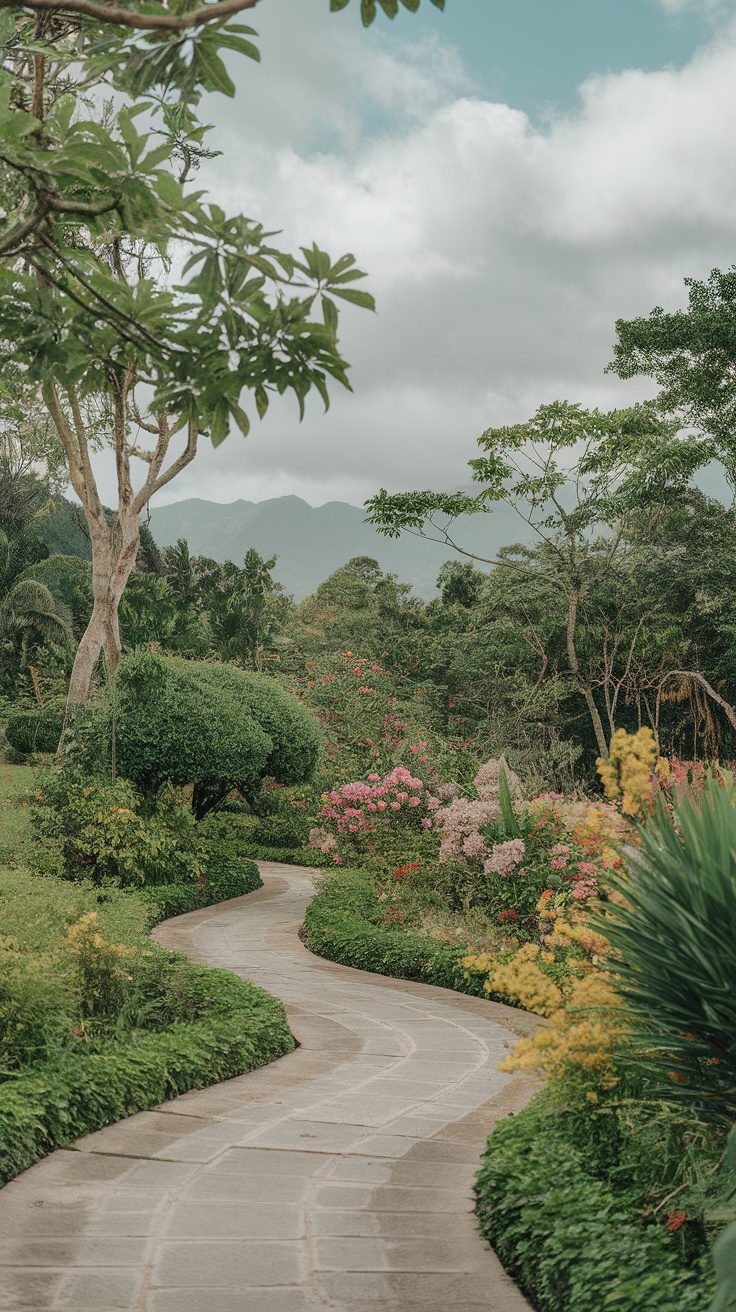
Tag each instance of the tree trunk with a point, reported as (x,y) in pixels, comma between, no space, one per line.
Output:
(114,554)
(114,548)
(583,684)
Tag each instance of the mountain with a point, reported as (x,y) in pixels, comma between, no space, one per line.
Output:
(311,542)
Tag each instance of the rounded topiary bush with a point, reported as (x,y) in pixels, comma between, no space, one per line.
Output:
(291,727)
(196,723)
(34,731)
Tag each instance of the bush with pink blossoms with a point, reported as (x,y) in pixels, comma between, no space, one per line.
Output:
(550,843)
(382,820)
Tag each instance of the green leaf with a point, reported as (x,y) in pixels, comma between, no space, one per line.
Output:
(363,299)
(261,401)
(329,311)
(220,426)
(134,142)
(217,76)
(16,124)
(169,190)
(724,1261)
(156,157)
(237,43)
(240,418)
(336,5)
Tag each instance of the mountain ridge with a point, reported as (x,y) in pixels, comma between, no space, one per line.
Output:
(311,542)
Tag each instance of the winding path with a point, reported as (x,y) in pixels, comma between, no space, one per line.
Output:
(337,1178)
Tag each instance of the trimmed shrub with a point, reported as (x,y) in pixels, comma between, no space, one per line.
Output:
(341,924)
(241,1029)
(224,879)
(205,724)
(292,729)
(34,731)
(569,1239)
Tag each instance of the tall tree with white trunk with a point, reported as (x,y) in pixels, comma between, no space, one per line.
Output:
(140,314)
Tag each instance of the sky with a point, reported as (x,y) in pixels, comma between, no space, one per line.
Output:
(514,175)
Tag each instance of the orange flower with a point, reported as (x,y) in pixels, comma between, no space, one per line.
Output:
(675,1221)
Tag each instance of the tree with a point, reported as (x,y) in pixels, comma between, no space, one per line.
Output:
(362,608)
(29,616)
(93,207)
(247,611)
(692,356)
(576,477)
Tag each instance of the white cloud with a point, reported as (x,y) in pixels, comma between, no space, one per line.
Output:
(500,254)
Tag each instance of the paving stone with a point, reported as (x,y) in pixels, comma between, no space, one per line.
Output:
(332,1221)
(96,1251)
(228,1300)
(309,1135)
(346,1288)
(234,1221)
(211,1187)
(191,1264)
(98,1291)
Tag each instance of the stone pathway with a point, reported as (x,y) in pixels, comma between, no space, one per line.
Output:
(340,1177)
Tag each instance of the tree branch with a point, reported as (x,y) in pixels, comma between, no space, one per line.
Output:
(154,484)
(131,18)
(701,679)
(67,438)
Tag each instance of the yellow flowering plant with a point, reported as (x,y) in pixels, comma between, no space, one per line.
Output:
(629,774)
(100,970)
(564,978)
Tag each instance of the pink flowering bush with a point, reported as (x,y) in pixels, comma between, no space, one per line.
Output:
(383,819)
(555,845)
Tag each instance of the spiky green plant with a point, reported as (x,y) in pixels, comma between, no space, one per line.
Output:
(675,933)
(508,816)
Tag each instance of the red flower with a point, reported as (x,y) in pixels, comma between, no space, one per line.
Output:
(675,1220)
(503,916)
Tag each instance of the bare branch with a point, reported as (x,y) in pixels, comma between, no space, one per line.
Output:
(153,483)
(447,541)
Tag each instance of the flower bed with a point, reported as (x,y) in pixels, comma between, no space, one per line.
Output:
(343,923)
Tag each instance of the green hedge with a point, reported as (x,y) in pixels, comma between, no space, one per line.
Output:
(570,1241)
(342,924)
(226,878)
(238,1029)
(34,731)
(49,1106)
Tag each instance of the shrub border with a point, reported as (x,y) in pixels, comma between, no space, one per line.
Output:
(343,928)
(567,1239)
(47,1107)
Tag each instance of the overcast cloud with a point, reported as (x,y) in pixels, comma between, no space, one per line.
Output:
(500,252)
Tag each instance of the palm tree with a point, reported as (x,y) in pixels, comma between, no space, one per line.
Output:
(29,615)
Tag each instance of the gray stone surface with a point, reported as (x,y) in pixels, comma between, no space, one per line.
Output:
(338,1178)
